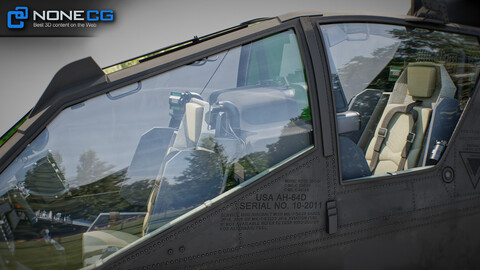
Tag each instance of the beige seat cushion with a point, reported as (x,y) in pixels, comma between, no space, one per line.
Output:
(398,129)
(95,243)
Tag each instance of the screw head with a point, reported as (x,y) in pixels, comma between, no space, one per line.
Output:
(448,175)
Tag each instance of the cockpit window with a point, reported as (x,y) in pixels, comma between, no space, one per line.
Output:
(399,94)
(114,168)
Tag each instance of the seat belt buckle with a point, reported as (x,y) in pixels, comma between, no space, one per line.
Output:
(410,137)
(382,132)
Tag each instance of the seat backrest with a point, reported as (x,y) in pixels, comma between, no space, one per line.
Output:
(354,164)
(146,164)
(444,120)
(189,178)
(187,137)
(423,83)
(396,137)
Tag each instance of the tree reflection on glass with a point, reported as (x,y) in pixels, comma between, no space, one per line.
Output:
(295,136)
(190,178)
(454,51)
(91,168)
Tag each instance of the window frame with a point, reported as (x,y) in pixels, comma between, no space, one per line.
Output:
(405,22)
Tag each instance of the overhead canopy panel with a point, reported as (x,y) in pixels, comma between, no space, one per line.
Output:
(453,11)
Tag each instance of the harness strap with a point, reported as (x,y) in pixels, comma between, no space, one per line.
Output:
(383,131)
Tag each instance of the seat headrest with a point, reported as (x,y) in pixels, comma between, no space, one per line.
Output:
(193,121)
(421,81)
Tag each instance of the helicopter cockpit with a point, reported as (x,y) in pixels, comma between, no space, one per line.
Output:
(117,167)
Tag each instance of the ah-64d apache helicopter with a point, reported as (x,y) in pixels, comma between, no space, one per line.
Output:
(295,142)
